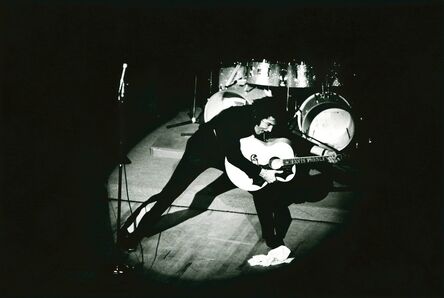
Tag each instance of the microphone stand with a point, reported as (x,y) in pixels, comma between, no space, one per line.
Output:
(119,267)
(192,112)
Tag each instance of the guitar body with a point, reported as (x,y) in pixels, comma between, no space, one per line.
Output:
(260,153)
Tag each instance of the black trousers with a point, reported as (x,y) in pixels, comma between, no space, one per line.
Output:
(202,152)
(273,213)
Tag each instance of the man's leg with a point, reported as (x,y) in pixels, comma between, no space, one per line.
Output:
(264,203)
(282,218)
(190,166)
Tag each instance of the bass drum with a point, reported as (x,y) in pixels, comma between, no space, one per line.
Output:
(327,118)
(220,101)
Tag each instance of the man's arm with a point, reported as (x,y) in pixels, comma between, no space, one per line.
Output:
(235,157)
(304,146)
(317,150)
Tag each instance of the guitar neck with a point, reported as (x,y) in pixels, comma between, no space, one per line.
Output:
(304,160)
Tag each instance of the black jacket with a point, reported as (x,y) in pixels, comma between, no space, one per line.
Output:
(236,123)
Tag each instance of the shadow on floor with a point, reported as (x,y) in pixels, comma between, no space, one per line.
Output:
(201,202)
(305,189)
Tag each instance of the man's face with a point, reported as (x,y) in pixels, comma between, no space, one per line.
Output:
(266,124)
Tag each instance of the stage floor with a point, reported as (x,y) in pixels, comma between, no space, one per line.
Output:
(214,238)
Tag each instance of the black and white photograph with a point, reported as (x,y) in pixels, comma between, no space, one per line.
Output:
(222,148)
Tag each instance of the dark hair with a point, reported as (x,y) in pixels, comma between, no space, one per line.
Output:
(268,106)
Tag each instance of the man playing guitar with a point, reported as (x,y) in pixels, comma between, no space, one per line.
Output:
(214,141)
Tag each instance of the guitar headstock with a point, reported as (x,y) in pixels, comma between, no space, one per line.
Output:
(339,157)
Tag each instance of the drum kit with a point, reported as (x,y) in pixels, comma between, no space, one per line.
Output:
(324,117)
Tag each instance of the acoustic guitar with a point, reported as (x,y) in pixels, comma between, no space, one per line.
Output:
(276,154)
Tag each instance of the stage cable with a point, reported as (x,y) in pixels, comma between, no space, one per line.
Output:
(158,242)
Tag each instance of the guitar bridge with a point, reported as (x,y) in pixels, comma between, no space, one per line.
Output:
(286,171)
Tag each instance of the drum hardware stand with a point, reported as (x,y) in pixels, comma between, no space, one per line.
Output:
(288,97)
(284,79)
(120,268)
(193,117)
(210,81)
(192,113)
(323,90)
(328,92)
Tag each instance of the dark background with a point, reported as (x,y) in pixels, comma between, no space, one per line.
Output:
(61,65)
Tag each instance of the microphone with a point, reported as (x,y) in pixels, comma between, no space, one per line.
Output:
(121,78)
